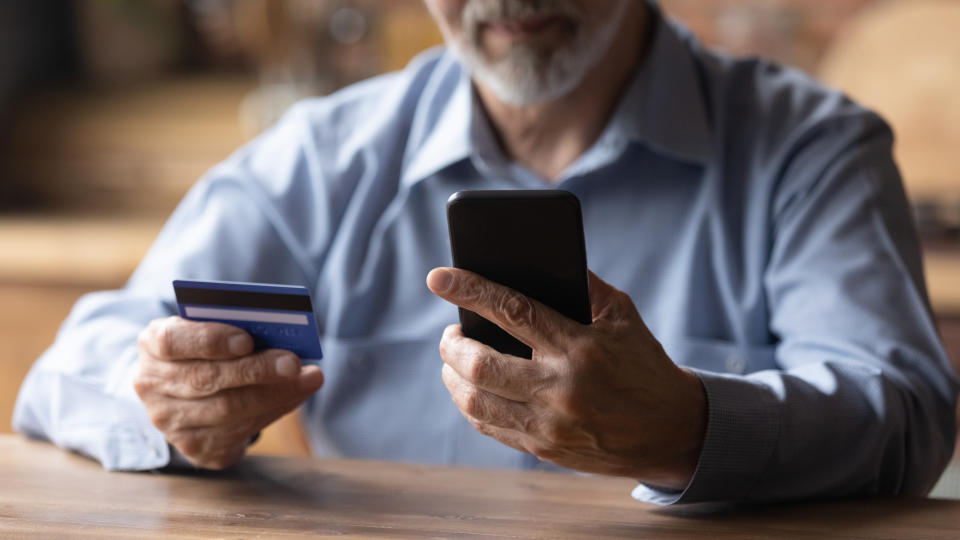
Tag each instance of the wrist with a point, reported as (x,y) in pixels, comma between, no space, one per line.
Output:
(681,451)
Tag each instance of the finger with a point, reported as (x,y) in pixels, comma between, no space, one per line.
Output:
(233,407)
(511,377)
(191,379)
(310,379)
(486,406)
(509,437)
(174,338)
(210,447)
(608,302)
(518,440)
(533,323)
(226,458)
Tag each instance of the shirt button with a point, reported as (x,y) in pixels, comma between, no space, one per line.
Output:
(736,364)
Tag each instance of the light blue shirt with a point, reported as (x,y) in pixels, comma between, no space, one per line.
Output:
(756,219)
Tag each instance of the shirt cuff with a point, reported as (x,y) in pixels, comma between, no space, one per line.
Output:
(743,426)
(124,448)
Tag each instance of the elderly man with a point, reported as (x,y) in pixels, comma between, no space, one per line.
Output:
(761,330)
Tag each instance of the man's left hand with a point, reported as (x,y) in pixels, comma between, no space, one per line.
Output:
(601,398)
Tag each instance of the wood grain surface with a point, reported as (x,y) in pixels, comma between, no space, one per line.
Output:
(49,493)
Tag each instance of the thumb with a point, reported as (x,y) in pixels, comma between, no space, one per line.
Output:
(608,302)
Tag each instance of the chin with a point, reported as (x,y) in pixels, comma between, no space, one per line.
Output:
(530,76)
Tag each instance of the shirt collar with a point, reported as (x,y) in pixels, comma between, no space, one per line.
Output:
(440,134)
(663,108)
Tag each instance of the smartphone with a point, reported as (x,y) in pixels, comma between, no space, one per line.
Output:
(530,241)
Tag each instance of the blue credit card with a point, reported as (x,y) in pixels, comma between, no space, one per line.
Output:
(276,316)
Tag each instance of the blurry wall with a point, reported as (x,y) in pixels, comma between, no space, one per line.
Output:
(899,57)
(107,100)
(794,32)
(36,40)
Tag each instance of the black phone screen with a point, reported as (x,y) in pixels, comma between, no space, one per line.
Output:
(530,241)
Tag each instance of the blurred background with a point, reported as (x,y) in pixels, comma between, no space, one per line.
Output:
(111,109)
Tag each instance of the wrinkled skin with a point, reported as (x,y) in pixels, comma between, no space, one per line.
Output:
(601,398)
(209,393)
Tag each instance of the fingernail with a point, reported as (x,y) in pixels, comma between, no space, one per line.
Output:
(288,366)
(239,344)
(440,280)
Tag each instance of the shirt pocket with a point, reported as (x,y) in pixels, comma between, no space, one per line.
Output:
(721,356)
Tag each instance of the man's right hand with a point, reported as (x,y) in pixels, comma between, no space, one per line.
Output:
(209,393)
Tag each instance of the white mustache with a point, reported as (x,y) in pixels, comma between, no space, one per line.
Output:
(481,11)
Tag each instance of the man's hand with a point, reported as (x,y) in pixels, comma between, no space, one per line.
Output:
(209,393)
(601,398)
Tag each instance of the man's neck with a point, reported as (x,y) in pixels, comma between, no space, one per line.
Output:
(548,137)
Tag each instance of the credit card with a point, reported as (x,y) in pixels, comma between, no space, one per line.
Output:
(276,316)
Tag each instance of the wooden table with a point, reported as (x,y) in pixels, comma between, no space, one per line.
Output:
(46,492)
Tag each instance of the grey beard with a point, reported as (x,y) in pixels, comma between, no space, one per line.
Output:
(528,75)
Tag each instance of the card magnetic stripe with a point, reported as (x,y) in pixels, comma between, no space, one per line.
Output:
(242,299)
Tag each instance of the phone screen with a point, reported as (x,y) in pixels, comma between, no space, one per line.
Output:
(530,241)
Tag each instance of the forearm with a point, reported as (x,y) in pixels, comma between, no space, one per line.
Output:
(78,394)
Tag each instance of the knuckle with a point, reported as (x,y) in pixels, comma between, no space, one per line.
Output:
(178,419)
(542,384)
(446,344)
(481,367)
(482,428)
(539,389)
(208,339)
(449,333)
(530,425)
(545,452)
(203,377)
(142,385)
(517,309)
(624,301)
(161,417)
(470,288)
(253,370)
(144,337)
(163,340)
(473,404)
(446,375)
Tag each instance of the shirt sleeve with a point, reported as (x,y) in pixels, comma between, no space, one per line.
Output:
(246,220)
(863,403)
